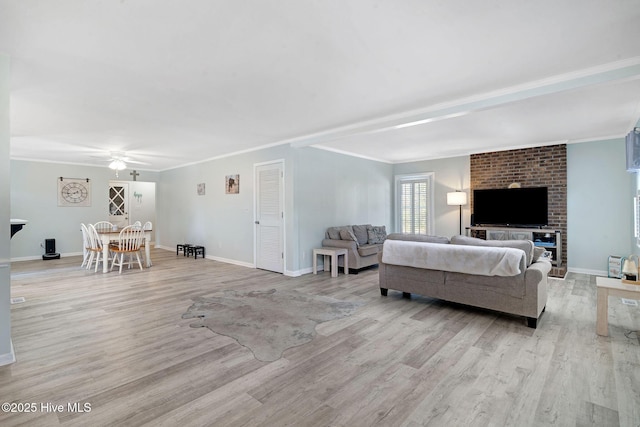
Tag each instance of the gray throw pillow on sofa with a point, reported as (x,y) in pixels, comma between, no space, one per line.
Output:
(526,245)
(377,234)
(360,231)
(334,232)
(348,235)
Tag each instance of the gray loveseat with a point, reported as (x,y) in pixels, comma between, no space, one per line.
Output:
(523,294)
(363,243)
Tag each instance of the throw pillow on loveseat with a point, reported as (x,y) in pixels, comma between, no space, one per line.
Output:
(355,238)
(376,235)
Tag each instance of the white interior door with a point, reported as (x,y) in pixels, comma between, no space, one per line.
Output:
(270,217)
(119,203)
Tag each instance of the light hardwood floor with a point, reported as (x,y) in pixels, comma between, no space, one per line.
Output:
(118,343)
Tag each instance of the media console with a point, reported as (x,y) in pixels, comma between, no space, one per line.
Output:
(550,240)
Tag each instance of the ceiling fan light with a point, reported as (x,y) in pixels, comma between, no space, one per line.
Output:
(117,165)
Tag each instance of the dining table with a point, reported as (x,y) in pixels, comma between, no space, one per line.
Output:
(107,237)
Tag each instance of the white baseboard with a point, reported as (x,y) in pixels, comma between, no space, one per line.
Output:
(231,261)
(8,358)
(26,258)
(33,258)
(587,271)
(298,273)
(290,273)
(214,258)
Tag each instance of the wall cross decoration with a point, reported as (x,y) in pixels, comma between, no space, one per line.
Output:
(134,174)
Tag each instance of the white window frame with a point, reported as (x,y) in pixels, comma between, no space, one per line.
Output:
(429,178)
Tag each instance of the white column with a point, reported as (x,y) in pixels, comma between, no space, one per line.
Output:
(6,350)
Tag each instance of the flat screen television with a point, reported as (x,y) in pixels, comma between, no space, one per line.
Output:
(515,207)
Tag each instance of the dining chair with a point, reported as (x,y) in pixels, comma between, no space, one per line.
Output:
(95,248)
(146,227)
(129,242)
(137,224)
(86,244)
(103,226)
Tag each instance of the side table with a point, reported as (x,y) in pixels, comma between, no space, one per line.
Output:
(607,287)
(333,254)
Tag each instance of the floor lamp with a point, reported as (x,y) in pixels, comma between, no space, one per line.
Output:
(457,198)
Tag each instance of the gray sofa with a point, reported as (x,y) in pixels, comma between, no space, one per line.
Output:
(524,294)
(363,243)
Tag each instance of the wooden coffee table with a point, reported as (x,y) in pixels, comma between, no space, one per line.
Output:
(332,253)
(607,287)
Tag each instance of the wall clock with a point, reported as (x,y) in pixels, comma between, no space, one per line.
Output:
(74,192)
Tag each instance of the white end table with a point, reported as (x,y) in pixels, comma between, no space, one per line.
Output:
(333,254)
(607,287)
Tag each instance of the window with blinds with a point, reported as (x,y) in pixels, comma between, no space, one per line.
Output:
(414,203)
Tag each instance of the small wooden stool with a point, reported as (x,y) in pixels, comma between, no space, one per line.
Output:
(184,247)
(195,250)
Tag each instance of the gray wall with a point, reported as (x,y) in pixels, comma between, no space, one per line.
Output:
(223,223)
(450,175)
(333,189)
(6,352)
(34,197)
(321,189)
(599,204)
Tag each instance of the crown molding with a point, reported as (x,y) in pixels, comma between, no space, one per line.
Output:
(628,69)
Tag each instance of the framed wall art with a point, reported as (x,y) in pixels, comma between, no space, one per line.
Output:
(232,184)
(74,192)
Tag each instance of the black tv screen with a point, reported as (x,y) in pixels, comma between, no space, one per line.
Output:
(517,207)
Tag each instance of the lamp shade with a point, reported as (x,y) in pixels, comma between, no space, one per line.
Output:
(457,198)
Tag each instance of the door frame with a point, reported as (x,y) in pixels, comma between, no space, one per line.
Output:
(283,232)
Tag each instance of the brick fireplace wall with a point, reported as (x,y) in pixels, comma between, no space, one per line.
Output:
(530,167)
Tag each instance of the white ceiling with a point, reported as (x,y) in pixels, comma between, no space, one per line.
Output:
(173,82)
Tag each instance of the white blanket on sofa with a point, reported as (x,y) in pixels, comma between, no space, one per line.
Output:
(481,260)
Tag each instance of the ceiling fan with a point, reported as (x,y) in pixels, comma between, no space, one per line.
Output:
(118,161)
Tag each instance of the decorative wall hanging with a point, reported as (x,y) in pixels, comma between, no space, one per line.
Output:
(138,197)
(201,189)
(232,184)
(74,192)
